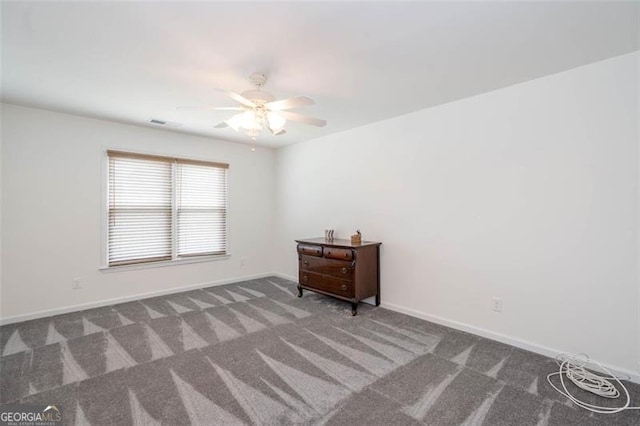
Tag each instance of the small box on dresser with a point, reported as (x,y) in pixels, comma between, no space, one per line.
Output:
(337,268)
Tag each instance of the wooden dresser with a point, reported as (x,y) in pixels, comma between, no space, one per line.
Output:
(340,269)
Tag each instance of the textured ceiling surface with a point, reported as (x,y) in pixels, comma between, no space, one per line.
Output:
(361,62)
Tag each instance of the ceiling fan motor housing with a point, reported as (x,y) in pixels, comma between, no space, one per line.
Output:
(258,79)
(258,97)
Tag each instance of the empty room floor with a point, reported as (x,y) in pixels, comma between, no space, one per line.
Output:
(254,353)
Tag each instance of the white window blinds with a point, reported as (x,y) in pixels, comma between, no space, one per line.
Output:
(164,208)
(202,209)
(139,210)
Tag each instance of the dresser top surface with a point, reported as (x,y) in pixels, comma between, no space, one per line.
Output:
(336,242)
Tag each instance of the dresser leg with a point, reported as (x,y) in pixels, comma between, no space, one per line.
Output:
(378,274)
(354,309)
(299,291)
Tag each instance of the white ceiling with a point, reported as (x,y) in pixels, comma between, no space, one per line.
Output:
(361,62)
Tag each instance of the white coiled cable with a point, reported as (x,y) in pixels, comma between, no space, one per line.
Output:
(574,367)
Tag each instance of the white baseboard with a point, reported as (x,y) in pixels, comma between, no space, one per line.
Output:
(108,302)
(522,344)
(285,276)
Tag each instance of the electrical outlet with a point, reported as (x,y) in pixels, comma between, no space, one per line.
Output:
(242,262)
(76,283)
(496,304)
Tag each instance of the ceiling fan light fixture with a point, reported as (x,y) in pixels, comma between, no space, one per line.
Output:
(235,122)
(248,120)
(259,110)
(276,122)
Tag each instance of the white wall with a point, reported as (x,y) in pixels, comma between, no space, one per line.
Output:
(527,193)
(52,189)
(1,312)
(638,197)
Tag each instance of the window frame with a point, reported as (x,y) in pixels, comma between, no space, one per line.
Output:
(175,260)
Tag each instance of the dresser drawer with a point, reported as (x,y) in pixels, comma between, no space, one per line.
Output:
(338,253)
(336,268)
(325,283)
(310,250)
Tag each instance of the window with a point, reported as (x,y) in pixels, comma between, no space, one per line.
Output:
(163,208)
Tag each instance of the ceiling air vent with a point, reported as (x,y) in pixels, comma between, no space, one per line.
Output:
(164,123)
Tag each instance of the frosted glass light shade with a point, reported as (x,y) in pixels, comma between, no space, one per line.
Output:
(276,123)
(251,122)
(235,122)
(248,120)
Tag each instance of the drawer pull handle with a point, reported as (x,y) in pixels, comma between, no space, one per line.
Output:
(305,278)
(306,262)
(344,270)
(343,287)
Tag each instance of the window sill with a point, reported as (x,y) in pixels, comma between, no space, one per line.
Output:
(164,263)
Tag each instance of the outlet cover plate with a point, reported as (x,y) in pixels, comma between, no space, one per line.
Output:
(496,304)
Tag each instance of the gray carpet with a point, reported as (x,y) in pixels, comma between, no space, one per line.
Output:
(253,353)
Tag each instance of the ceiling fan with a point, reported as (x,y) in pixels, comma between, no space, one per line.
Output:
(259,109)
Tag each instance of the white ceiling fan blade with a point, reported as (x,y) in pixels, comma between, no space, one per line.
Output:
(210,108)
(238,98)
(289,103)
(292,116)
(221,125)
